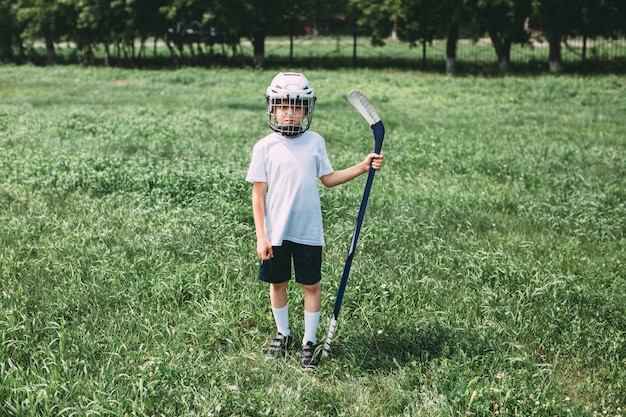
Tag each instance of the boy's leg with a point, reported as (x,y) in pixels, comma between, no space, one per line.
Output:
(312,307)
(274,271)
(278,294)
(308,266)
(280,307)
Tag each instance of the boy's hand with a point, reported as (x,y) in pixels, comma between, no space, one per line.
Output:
(374,160)
(264,249)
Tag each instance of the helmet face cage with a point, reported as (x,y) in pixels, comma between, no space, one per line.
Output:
(290,102)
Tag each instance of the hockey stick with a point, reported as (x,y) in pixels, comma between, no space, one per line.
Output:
(365,108)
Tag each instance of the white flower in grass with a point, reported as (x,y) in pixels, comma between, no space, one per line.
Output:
(380,331)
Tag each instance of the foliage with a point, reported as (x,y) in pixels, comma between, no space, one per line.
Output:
(418,20)
(504,21)
(7,29)
(192,23)
(376,18)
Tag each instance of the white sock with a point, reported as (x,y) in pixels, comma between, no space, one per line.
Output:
(281,316)
(311,321)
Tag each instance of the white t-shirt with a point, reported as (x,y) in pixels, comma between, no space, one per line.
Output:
(290,167)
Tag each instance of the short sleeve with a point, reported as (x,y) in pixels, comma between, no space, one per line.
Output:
(256,170)
(325,166)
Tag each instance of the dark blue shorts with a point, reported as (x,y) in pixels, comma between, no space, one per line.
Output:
(307,263)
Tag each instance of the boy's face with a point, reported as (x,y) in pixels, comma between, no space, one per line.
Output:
(289,112)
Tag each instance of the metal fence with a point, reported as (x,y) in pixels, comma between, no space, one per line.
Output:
(341,51)
(470,53)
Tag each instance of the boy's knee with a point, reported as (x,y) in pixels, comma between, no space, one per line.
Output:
(312,289)
(281,286)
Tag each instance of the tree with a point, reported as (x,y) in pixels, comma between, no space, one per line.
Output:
(556,19)
(252,19)
(8,28)
(455,16)
(419,21)
(45,19)
(182,15)
(604,18)
(224,23)
(276,17)
(376,18)
(424,20)
(145,20)
(414,21)
(95,23)
(504,22)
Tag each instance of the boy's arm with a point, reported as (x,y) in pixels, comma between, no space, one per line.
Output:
(263,245)
(344,175)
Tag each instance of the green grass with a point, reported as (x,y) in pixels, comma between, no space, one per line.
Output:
(489,277)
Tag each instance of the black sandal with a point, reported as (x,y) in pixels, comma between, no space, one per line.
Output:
(278,346)
(310,357)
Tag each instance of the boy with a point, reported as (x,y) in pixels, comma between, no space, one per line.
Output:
(286,206)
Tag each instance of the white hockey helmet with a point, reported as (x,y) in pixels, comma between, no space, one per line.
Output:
(294,89)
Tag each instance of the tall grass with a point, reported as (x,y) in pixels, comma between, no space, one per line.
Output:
(489,278)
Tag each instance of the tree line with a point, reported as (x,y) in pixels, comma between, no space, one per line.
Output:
(181,23)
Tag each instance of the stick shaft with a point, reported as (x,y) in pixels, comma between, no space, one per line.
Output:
(379,132)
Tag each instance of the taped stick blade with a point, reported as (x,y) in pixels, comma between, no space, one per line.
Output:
(364,107)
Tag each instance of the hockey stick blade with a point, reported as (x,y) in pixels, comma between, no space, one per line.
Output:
(364,107)
(369,113)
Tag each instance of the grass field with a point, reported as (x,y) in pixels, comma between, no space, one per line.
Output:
(488,281)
